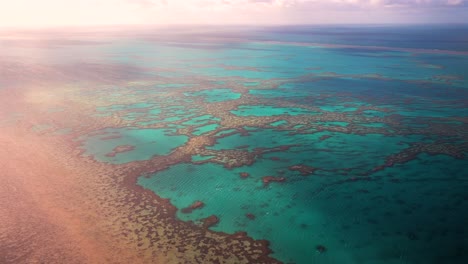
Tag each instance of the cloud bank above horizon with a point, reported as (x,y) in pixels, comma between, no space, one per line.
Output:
(57,13)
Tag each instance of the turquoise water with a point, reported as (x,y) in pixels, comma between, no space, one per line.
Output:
(200,120)
(279,123)
(333,123)
(216,95)
(344,216)
(204,129)
(385,131)
(147,143)
(231,198)
(267,110)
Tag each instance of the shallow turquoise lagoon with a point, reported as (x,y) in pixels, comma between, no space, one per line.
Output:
(201,158)
(333,123)
(374,125)
(337,108)
(173,85)
(278,93)
(224,132)
(268,110)
(279,123)
(147,143)
(251,83)
(348,217)
(204,129)
(373,113)
(216,95)
(339,151)
(200,120)
(118,107)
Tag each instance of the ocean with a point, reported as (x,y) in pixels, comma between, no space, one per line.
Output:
(336,144)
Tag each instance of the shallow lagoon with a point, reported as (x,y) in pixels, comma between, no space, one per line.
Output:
(147,142)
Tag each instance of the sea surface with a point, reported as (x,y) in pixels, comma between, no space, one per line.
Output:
(364,131)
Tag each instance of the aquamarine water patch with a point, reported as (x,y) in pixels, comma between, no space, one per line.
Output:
(374,113)
(278,93)
(231,198)
(118,107)
(341,150)
(279,123)
(216,95)
(200,120)
(167,115)
(133,116)
(175,107)
(251,83)
(256,139)
(267,110)
(175,126)
(204,129)
(332,123)
(196,158)
(337,108)
(224,132)
(452,122)
(303,212)
(255,66)
(424,112)
(154,111)
(379,125)
(147,143)
(158,121)
(173,85)
(147,123)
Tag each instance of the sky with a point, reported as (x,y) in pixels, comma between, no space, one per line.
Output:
(60,13)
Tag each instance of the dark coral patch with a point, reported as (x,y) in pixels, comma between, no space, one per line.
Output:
(303,169)
(250,216)
(243,147)
(194,206)
(267,179)
(120,149)
(111,137)
(210,221)
(321,249)
(244,175)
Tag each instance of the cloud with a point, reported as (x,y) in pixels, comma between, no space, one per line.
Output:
(377,3)
(283,3)
(91,12)
(338,4)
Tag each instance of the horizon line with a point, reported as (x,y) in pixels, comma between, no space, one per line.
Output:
(229,25)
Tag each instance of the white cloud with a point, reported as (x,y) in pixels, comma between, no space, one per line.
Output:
(89,12)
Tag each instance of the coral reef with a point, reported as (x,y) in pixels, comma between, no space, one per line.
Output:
(244,175)
(194,206)
(321,249)
(268,179)
(120,149)
(210,221)
(304,170)
(250,216)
